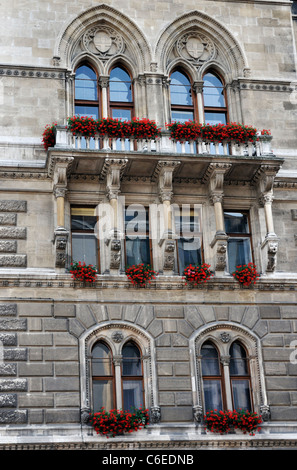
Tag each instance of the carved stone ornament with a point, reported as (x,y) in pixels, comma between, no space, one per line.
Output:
(155,414)
(198,413)
(195,47)
(103,41)
(169,255)
(115,254)
(225,337)
(117,336)
(85,415)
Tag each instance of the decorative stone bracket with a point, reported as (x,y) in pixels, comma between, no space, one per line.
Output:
(215,178)
(269,246)
(164,172)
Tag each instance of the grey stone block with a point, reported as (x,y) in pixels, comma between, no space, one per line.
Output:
(55,324)
(156,328)
(70,399)
(8,246)
(15,261)
(174,383)
(11,385)
(35,369)
(13,416)
(8,339)
(8,400)
(8,309)
(176,414)
(172,354)
(193,317)
(35,339)
(15,354)
(167,398)
(8,369)
(36,400)
(13,324)
(169,311)
(64,310)
(62,416)
(13,206)
(61,354)
(8,219)
(183,398)
(207,313)
(145,316)
(270,311)
(32,309)
(16,233)
(165,368)
(280,326)
(59,384)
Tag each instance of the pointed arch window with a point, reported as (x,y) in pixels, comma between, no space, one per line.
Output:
(214,98)
(182,104)
(87,96)
(132,377)
(212,377)
(120,94)
(240,377)
(103,386)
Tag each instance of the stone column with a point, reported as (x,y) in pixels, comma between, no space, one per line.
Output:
(198,89)
(225,360)
(269,245)
(164,172)
(104,83)
(215,178)
(113,240)
(58,169)
(117,362)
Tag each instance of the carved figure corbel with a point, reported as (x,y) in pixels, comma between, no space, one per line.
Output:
(198,414)
(169,252)
(155,414)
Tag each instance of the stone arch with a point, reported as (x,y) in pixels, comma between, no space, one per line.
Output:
(222,335)
(200,39)
(116,334)
(71,41)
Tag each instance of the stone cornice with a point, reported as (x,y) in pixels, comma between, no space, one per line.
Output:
(23,71)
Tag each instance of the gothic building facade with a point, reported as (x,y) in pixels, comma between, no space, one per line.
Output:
(179,349)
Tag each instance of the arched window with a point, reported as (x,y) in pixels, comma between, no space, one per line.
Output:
(102,377)
(120,94)
(87,96)
(215,107)
(132,377)
(212,377)
(240,377)
(182,104)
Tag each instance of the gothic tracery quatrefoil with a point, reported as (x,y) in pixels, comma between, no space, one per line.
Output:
(195,47)
(103,41)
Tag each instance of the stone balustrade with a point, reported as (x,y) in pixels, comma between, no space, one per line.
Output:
(163,144)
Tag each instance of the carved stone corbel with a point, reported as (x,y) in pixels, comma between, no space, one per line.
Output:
(164,171)
(198,414)
(155,414)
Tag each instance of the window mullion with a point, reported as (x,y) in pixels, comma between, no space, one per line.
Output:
(225,360)
(117,361)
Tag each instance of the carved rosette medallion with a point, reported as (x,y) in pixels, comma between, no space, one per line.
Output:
(195,47)
(103,42)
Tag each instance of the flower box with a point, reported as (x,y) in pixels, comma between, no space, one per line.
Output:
(224,422)
(140,274)
(197,274)
(117,422)
(246,274)
(83,272)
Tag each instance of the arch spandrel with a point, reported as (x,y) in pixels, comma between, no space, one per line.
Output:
(103,33)
(202,41)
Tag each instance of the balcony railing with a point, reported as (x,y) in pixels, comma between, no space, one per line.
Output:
(163,144)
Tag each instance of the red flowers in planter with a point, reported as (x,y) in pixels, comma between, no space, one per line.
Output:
(115,422)
(222,422)
(246,274)
(140,274)
(82,272)
(82,125)
(49,136)
(191,130)
(197,274)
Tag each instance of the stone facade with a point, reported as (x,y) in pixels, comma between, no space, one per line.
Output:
(47,320)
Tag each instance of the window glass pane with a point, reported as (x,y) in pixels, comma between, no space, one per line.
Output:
(215,118)
(122,114)
(131,360)
(101,360)
(212,395)
(88,111)
(120,88)
(189,252)
(137,251)
(132,394)
(103,394)
(239,252)
(210,360)
(182,116)
(83,222)
(85,84)
(180,89)
(85,248)
(238,360)
(213,91)
(241,394)
(236,222)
